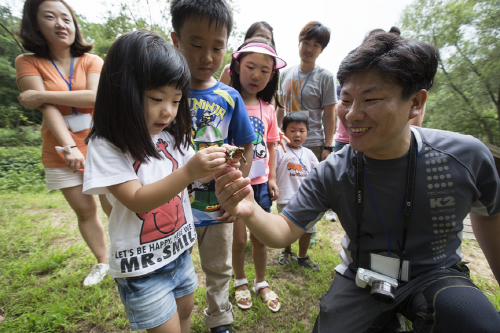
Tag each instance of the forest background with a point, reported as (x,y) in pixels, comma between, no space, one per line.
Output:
(465,97)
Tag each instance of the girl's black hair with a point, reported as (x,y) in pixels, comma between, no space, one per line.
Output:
(269,91)
(136,62)
(295,117)
(256,26)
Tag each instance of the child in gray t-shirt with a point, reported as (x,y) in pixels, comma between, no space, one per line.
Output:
(292,167)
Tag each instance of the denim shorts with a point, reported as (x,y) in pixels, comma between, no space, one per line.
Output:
(261,196)
(149,299)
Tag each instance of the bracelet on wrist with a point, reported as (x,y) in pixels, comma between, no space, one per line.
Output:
(65,149)
(330,149)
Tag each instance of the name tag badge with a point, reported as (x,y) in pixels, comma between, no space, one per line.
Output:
(257,169)
(389,266)
(78,122)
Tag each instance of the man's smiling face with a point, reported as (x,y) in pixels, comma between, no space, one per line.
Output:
(375,115)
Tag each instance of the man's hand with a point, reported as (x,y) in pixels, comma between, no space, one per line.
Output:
(325,154)
(234,193)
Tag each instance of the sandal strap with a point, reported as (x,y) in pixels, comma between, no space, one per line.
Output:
(242,294)
(240,282)
(270,296)
(287,252)
(258,286)
(304,258)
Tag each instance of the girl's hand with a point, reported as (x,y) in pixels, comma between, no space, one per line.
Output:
(75,160)
(274,192)
(206,162)
(31,99)
(282,137)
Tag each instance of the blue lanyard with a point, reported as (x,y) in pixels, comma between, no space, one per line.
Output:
(305,83)
(255,147)
(70,83)
(300,158)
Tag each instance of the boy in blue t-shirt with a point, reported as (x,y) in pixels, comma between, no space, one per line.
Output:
(201,31)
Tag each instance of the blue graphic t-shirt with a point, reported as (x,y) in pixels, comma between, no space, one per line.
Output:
(218,116)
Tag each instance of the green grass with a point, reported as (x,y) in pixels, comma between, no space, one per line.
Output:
(43,262)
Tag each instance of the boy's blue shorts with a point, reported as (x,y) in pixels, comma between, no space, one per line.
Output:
(261,196)
(149,299)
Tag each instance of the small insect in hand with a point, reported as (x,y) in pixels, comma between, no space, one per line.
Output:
(235,153)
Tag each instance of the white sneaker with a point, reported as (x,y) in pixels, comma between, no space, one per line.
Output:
(98,273)
(330,216)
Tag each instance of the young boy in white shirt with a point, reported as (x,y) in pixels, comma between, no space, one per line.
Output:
(291,169)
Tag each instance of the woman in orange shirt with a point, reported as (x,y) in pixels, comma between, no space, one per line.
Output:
(60,79)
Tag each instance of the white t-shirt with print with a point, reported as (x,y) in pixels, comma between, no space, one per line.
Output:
(292,168)
(144,242)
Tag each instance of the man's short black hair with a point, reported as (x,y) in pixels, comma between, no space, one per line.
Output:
(295,117)
(316,30)
(407,63)
(217,11)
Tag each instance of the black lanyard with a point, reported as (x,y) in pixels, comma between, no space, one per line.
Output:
(408,200)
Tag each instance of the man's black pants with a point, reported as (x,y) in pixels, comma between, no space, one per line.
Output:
(442,301)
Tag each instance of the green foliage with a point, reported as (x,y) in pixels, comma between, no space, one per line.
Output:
(466,94)
(9,49)
(11,116)
(20,136)
(103,35)
(225,61)
(21,170)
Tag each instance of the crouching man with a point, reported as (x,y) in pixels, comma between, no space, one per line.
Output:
(401,194)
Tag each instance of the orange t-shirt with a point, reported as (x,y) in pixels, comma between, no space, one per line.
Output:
(31,65)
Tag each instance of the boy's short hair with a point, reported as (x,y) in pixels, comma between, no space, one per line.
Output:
(295,117)
(407,63)
(212,10)
(317,31)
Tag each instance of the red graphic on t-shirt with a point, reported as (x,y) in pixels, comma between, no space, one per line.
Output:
(296,167)
(167,219)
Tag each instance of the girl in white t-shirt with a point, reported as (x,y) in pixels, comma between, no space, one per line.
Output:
(139,155)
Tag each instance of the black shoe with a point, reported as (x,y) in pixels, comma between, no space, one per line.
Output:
(222,329)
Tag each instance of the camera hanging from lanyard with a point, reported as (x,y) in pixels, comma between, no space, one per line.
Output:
(387,269)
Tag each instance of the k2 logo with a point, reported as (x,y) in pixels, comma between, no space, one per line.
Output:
(443,202)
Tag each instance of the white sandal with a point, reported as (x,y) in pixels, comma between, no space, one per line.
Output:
(242,294)
(269,297)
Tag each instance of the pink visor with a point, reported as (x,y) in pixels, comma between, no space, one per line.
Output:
(263,49)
